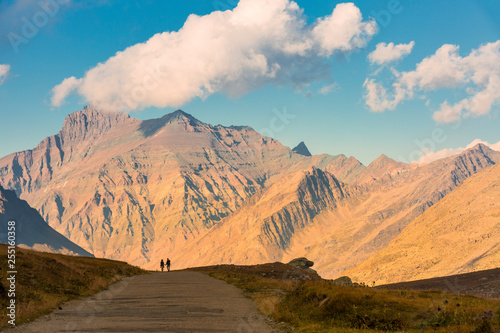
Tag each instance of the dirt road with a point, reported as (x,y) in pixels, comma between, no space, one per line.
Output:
(159,302)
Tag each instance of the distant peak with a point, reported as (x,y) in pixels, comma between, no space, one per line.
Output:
(301,149)
(152,126)
(180,115)
(481,147)
(382,159)
(179,112)
(482,150)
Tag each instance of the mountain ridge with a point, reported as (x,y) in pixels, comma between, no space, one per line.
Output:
(337,237)
(134,190)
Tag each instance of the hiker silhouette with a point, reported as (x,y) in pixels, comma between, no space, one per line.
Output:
(162,265)
(168,264)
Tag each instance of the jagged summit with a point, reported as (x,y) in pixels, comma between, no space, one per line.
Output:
(302,149)
(90,122)
(91,112)
(479,152)
(482,148)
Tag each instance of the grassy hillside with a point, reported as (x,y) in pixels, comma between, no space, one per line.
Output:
(299,299)
(45,280)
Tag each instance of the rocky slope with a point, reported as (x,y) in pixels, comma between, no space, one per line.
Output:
(310,213)
(30,229)
(460,234)
(262,229)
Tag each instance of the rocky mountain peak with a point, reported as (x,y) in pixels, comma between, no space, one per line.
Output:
(483,149)
(90,122)
(480,151)
(176,118)
(382,160)
(302,149)
(180,116)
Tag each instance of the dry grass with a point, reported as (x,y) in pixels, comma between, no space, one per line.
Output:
(321,306)
(45,280)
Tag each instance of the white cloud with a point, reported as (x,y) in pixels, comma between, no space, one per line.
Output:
(344,30)
(230,52)
(4,71)
(434,156)
(385,53)
(376,96)
(449,113)
(60,91)
(477,74)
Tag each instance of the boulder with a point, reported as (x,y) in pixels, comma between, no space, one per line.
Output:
(343,281)
(303,263)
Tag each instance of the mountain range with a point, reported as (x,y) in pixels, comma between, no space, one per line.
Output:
(140,191)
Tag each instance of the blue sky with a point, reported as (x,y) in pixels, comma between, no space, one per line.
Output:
(339,102)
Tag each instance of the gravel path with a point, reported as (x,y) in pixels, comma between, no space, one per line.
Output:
(159,302)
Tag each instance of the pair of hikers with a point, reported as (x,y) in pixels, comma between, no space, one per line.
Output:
(162,265)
